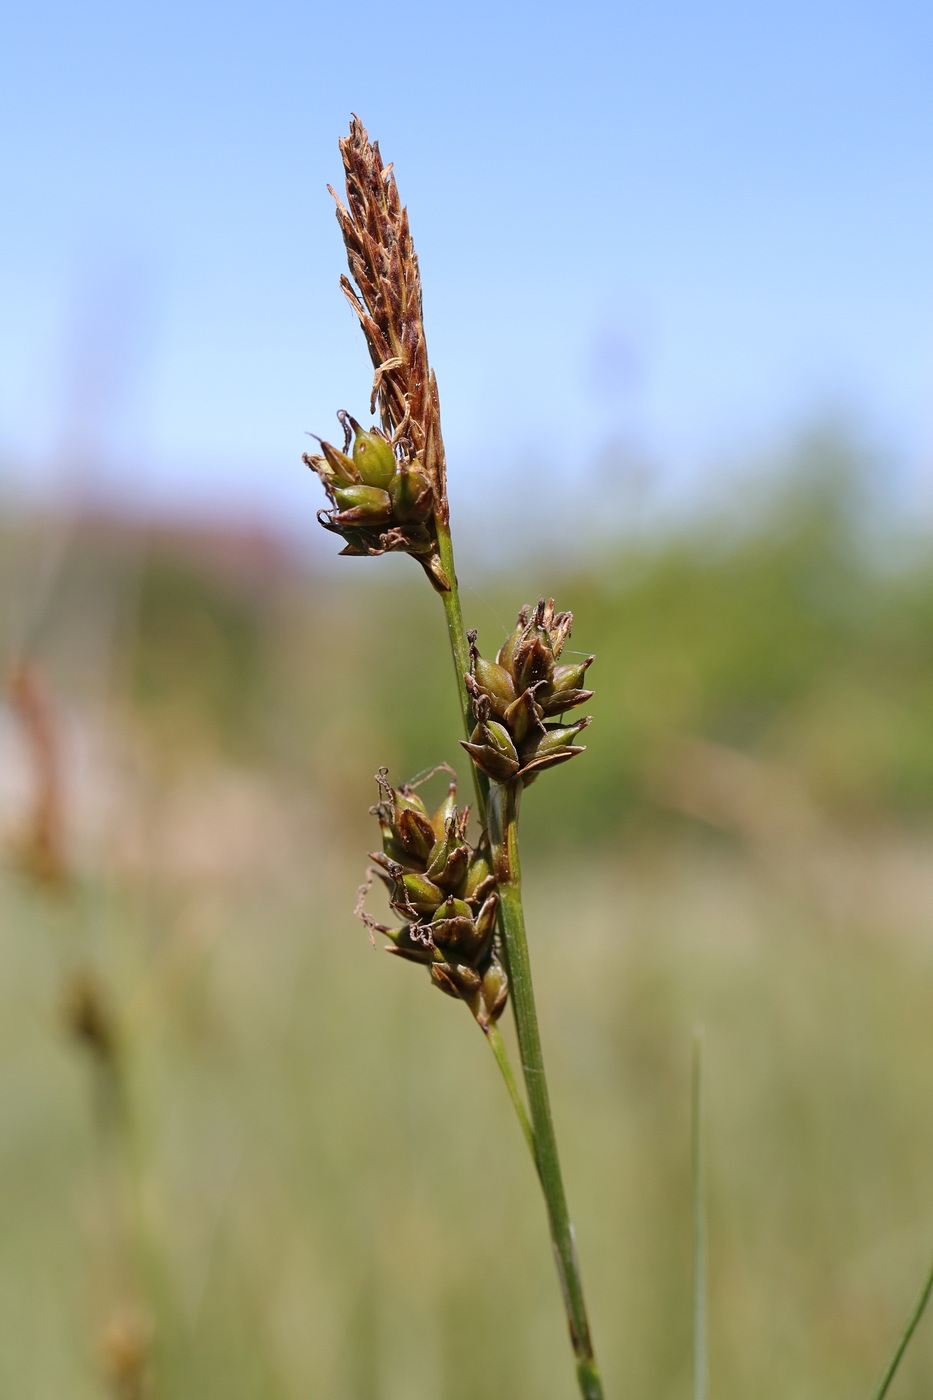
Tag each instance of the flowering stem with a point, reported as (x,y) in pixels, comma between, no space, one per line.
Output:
(497,1046)
(503,835)
(384,511)
(499,804)
(460,651)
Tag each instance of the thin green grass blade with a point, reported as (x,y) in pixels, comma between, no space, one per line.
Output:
(497,1045)
(911,1327)
(700,1356)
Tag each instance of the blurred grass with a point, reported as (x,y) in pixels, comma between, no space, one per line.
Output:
(334,1194)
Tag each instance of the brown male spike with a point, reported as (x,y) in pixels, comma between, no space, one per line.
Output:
(387,300)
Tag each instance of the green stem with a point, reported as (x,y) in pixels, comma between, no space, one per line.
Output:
(497,1046)
(904,1342)
(499,805)
(460,651)
(503,834)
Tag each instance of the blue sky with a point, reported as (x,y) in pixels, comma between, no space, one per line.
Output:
(683,229)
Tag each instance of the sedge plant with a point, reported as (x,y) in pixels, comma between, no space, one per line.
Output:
(459,902)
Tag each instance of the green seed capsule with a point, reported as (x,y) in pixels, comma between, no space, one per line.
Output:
(479,871)
(498,738)
(423,896)
(492,750)
(532,661)
(363,505)
(494,680)
(373,458)
(564,700)
(408,801)
(415,831)
(557,737)
(445,811)
(440,976)
(495,990)
(509,647)
(570,677)
(457,938)
(451,874)
(407,834)
(406,946)
(554,747)
(454,909)
(486,918)
(340,465)
(392,845)
(464,979)
(412,495)
(437,856)
(522,716)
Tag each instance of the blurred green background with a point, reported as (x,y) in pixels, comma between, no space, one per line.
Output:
(328,1195)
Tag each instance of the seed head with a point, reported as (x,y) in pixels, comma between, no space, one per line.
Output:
(443,888)
(516,693)
(405,457)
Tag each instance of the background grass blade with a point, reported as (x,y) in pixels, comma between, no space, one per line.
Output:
(904,1342)
(700,1358)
